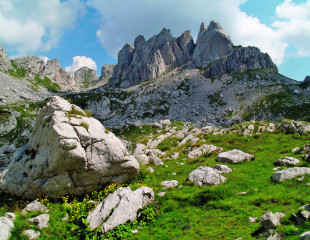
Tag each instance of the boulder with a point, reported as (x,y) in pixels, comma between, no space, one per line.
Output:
(212,43)
(120,207)
(287,161)
(234,156)
(169,184)
(6,226)
(271,220)
(32,234)
(292,126)
(156,161)
(41,221)
(68,154)
(142,159)
(206,176)
(290,173)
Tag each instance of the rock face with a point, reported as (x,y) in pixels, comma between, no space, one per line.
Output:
(5,63)
(239,60)
(291,126)
(84,77)
(107,72)
(234,156)
(206,176)
(290,173)
(149,59)
(7,122)
(56,73)
(212,43)
(32,65)
(68,154)
(125,203)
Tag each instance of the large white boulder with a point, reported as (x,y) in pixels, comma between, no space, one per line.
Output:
(290,173)
(68,153)
(206,176)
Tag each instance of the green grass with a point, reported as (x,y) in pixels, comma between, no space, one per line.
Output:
(193,212)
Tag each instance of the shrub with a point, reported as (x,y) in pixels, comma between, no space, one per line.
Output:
(85,125)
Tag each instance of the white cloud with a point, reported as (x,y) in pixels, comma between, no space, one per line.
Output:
(123,20)
(32,25)
(294,25)
(81,61)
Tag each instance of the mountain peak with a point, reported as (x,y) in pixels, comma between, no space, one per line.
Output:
(214,25)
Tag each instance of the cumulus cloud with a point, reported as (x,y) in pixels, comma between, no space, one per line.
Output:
(81,61)
(32,25)
(123,20)
(294,25)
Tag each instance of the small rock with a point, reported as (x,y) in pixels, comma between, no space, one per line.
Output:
(222,168)
(32,234)
(252,219)
(134,231)
(41,221)
(241,193)
(276,169)
(296,149)
(301,179)
(305,214)
(234,156)
(206,176)
(175,155)
(35,206)
(287,161)
(182,163)
(271,220)
(169,184)
(151,170)
(174,173)
(161,194)
(156,161)
(305,236)
(65,218)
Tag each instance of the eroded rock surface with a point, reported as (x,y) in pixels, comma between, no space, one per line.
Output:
(206,176)
(68,153)
(5,63)
(125,203)
(287,161)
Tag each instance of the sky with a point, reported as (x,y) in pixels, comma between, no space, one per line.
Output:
(91,32)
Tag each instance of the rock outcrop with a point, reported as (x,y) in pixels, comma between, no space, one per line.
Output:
(68,153)
(120,207)
(5,63)
(31,65)
(84,77)
(56,73)
(149,59)
(292,126)
(107,72)
(212,43)
(239,60)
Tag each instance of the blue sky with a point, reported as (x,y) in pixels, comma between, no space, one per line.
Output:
(93,31)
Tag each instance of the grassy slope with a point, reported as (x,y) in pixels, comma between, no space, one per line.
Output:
(193,212)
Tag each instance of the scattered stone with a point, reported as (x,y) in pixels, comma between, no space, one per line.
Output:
(305,214)
(151,170)
(10,216)
(65,218)
(165,122)
(276,169)
(241,193)
(169,184)
(142,159)
(252,219)
(271,220)
(204,149)
(161,194)
(272,235)
(223,169)
(306,207)
(32,234)
(35,206)
(174,173)
(41,221)
(287,161)
(296,149)
(125,203)
(290,173)
(175,155)
(156,161)
(305,236)
(181,163)
(292,126)
(206,176)
(134,231)
(6,226)
(234,156)
(301,179)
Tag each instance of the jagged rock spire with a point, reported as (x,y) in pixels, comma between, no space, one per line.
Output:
(5,63)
